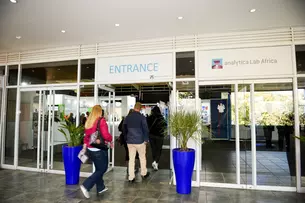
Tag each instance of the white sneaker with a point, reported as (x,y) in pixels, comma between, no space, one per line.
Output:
(104,190)
(155,166)
(85,191)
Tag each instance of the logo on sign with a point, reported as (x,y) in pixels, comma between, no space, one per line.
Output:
(151,77)
(221,108)
(217,64)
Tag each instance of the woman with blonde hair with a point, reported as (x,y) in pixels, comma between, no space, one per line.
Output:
(97,150)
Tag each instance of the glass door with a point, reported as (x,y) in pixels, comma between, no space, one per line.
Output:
(32,129)
(275,142)
(61,105)
(244,131)
(42,112)
(107,100)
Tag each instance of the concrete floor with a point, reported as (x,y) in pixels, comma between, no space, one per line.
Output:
(23,186)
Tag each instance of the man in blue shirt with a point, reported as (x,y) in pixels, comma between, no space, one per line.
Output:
(137,137)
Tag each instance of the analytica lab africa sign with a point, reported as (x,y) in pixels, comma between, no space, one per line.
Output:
(140,68)
(247,62)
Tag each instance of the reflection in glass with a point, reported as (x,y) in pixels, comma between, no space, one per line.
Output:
(28,125)
(274,134)
(301,96)
(12,75)
(244,120)
(49,73)
(87,70)
(10,127)
(2,70)
(185,64)
(218,152)
(300,58)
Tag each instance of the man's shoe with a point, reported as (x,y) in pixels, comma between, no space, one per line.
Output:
(85,191)
(146,176)
(104,190)
(133,180)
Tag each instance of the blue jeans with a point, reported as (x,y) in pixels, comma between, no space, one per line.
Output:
(100,160)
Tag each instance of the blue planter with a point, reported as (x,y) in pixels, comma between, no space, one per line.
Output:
(72,164)
(184,162)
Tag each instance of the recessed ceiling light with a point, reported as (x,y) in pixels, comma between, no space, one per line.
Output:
(87,67)
(180,18)
(18,37)
(58,69)
(191,61)
(14,1)
(63,31)
(117,25)
(253,10)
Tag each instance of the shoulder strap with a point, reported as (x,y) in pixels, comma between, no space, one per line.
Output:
(98,125)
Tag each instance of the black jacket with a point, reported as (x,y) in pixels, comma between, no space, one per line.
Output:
(156,123)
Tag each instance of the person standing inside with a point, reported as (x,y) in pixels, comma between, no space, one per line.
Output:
(136,136)
(157,126)
(97,153)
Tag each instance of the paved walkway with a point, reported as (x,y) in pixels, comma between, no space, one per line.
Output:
(22,186)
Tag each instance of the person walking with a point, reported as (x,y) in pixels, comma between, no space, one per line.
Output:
(97,151)
(136,135)
(123,142)
(157,126)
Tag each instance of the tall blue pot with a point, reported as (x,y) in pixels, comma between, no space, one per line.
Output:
(72,164)
(184,162)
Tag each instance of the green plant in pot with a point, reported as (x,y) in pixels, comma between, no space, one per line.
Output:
(285,122)
(266,120)
(74,136)
(302,128)
(184,126)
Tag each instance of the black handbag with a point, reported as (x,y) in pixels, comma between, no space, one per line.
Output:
(97,136)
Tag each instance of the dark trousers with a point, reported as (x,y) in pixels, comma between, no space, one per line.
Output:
(100,160)
(156,144)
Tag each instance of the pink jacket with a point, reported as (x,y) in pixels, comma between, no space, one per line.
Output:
(103,129)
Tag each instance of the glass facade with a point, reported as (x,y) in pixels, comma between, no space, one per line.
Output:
(251,123)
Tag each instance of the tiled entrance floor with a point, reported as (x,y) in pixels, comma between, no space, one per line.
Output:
(23,186)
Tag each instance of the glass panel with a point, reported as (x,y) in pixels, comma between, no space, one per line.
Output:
(28,125)
(12,75)
(49,73)
(86,103)
(87,70)
(218,151)
(65,103)
(300,58)
(274,134)
(185,64)
(2,70)
(10,126)
(301,96)
(244,121)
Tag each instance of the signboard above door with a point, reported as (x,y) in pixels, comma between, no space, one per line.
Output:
(133,69)
(244,63)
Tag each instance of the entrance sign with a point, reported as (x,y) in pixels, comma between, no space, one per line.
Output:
(142,68)
(246,62)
